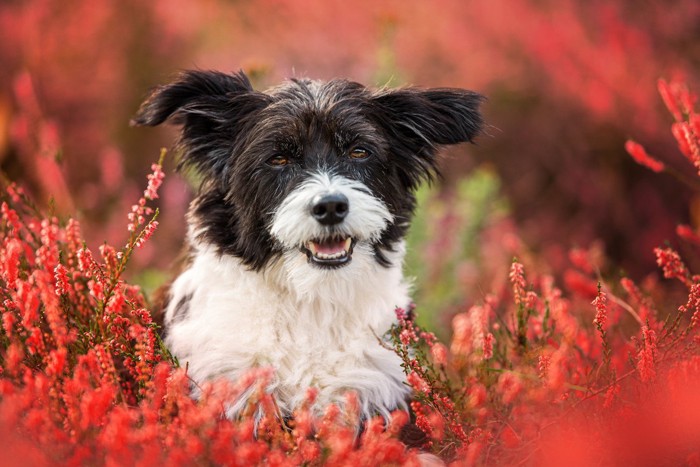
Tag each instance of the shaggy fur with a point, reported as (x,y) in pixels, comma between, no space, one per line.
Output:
(296,235)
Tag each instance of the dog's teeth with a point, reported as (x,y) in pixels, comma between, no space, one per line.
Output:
(314,248)
(340,254)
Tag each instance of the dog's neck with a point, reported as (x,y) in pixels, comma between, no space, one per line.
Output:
(315,327)
(349,291)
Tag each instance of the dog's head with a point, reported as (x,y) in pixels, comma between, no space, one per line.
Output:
(309,170)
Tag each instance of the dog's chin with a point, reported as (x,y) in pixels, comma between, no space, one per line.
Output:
(329,253)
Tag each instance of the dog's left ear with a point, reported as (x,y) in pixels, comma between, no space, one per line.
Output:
(213,109)
(420,120)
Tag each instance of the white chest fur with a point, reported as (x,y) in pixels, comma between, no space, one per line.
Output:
(316,328)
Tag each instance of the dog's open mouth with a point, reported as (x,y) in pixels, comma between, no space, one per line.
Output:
(329,252)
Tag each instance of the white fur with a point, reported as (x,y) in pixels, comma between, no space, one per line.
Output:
(316,327)
(366,219)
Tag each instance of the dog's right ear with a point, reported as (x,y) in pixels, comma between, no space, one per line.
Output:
(213,109)
(418,121)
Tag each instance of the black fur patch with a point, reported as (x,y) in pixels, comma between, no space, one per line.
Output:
(230,132)
(182,309)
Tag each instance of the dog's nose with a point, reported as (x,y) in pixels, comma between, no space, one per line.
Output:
(330,209)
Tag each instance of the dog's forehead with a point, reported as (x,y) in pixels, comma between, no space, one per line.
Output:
(305,110)
(317,95)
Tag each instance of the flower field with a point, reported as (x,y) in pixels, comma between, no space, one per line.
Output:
(602,370)
(557,261)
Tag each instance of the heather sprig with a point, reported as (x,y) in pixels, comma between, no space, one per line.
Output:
(424,361)
(59,300)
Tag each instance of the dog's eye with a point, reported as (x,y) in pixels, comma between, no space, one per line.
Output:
(359,153)
(278,161)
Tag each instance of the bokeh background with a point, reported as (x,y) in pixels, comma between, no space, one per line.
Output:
(567,83)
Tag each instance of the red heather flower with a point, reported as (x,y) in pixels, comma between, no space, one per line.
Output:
(610,395)
(477,396)
(57,362)
(137,216)
(469,329)
(669,97)
(692,304)
(695,123)
(96,289)
(680,102)
(61,276)
(461,334)
(531,300)
(155,180)
(679,96)
(27,299)
(488,346)
(10,261)
(688,233)
(10,216)
(422,414)
(53,314)
(146,234)
(34,342)
(85,261)
(49,232)
(680,131)
(580,284)
(646,307)
(688,142)
(517,279)
(408,336)
(601,308)
(418,383)
(673,267)
(647,355)
(74,236)
(139,211)
(631,289)
(428,337)
(439,353)
(641,157)
(581,259)
(110,259)
(13,358)
(15,192)
(437,425)
(8,322)
(556,375)
(509,386)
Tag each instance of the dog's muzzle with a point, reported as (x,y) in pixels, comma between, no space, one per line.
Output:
(333,251)
(327,217)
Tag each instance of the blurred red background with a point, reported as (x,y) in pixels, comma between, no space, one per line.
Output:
(567,83)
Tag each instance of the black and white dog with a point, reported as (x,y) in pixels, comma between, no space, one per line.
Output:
(296,235)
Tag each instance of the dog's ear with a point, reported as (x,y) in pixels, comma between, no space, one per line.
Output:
(211,106)
(420,120)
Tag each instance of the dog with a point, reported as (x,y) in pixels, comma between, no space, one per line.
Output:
(296,237)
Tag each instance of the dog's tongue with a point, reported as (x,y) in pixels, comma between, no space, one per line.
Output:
(331,247)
